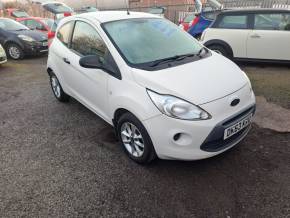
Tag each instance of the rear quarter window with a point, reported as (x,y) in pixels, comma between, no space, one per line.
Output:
(64,33)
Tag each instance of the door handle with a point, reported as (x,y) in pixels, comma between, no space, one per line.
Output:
(255,36)
(66,60)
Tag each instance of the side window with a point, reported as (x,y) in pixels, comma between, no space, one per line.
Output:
(233,22)
(64,33)
(277,21)
(86,40)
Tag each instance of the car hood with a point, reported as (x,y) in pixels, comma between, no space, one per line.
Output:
(198,82)
(38,36)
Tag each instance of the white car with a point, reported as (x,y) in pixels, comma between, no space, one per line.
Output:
(251,34)
(3,58)
(165,94)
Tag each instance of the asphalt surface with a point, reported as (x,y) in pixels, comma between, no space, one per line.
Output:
(61,160)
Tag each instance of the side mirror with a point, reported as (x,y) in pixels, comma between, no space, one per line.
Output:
(92,62)
(97,62)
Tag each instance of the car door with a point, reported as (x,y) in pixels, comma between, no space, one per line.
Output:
(88,85)
(270,36)
(233,29)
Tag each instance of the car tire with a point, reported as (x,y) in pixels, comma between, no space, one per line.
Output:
(14,51)
(220,50)
(57,89)
(135,139)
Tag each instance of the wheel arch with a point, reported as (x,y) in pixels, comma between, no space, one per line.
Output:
(9,41)
(220,43)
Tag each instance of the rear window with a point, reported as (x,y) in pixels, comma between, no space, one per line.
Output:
(233,22)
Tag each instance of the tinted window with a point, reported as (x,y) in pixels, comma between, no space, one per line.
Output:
(233,22)
(86,40)
(63,33)
(272,21)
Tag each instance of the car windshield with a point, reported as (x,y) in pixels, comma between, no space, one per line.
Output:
(48,22)
(11,25)
(150,39)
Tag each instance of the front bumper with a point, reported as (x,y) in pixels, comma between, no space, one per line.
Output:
(3,59)
(36,48)
(194,140)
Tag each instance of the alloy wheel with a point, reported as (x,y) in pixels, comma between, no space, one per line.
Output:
(14,52)
(55,86)
(132,139)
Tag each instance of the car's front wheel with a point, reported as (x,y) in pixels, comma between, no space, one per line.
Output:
(135,139)
(14,51)
(57,89)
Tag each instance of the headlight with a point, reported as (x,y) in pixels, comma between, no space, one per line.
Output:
(177,108)
(26,38)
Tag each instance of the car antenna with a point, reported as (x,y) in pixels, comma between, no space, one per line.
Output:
(127,6)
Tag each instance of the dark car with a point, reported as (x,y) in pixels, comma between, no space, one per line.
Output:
(19,41)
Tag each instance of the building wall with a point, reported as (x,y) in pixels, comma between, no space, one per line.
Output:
(150,3)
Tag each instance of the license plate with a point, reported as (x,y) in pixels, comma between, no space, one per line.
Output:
(229,132)
(45,44)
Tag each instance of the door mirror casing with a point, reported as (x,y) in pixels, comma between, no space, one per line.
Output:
(92,62)
(97,62)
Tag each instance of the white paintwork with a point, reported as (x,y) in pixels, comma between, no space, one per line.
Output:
(210,83)
(2,55)
(269,44)
(236,38)
(253,44)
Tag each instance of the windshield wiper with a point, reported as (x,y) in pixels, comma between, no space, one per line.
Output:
(174,58)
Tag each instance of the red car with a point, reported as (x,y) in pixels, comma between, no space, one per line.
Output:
(187,22)
(44,25)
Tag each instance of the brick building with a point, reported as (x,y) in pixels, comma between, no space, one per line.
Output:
(150,3)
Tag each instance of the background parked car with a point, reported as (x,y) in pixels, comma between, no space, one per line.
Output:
(201,22)
(259,34)
(159,11)
(44,25)
(3,58)
(205,16)
(16,13)
(19,41)
(187,22)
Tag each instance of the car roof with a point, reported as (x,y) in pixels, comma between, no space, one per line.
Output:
(107,16)
(254,10)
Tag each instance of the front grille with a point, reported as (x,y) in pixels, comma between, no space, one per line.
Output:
(215,141)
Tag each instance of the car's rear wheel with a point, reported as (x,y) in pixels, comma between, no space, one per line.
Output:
(220,50)
(135,139)
(57,89)
(14,51)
